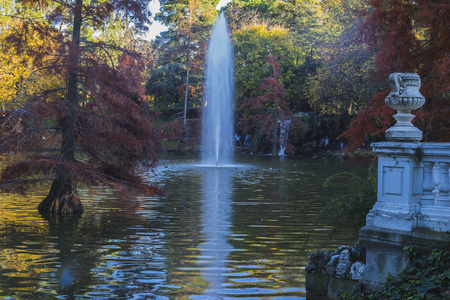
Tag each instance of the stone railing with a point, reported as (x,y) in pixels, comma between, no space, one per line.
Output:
(413,203)
(413,186)
(435,199)
(413,177)
(435,180)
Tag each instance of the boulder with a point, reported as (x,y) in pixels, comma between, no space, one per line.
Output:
(344,264)
(331,266)
(357,270)
(317,261)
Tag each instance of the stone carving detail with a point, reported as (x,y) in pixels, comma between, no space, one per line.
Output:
(427,184)
(404,97)
(444,184)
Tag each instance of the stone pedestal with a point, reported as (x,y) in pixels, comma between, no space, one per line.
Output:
(399,160)
(399,186)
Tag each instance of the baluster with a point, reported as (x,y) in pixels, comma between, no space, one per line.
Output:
(444,185)
(427,184)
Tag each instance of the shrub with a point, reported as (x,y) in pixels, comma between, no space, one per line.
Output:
(349,209)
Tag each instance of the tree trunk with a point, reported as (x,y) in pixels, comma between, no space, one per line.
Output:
(188,60)
(182,143)
(61,198)
(187,88)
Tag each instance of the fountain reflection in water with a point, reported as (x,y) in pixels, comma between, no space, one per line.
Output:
(218,109)
(216,210)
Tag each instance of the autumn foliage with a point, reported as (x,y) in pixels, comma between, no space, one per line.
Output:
(97,119)
(408,36)
(269,111)
(113,130)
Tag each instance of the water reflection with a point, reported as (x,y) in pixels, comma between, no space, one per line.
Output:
(216,206)
(226,233)
(64,231)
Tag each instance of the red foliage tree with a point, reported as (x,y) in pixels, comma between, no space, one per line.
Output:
(266,113)
(100,111)
(408,36)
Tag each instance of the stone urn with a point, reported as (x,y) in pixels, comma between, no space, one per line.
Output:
(404,97)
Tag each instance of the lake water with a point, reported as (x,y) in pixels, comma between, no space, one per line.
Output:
(243,231)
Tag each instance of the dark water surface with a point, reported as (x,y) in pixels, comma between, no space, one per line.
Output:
(219,233)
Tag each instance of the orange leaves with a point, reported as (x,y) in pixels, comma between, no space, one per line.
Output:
(28,60)
(265,113)
(109,120)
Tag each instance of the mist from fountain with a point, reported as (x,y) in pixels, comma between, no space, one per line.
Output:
(218,114)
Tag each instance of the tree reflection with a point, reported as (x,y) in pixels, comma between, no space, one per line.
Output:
(64,231)
(94,254)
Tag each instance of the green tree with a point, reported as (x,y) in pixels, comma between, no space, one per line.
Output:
(341,83)
(252,45)
(183,44)
(164,86)
(309,21)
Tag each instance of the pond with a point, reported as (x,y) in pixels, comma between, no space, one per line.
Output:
(243,231)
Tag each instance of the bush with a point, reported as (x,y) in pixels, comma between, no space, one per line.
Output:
(349,209)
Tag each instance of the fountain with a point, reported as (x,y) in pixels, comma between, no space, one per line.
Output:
(218,110)
(284,134)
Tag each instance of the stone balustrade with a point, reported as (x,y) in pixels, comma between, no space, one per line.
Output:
(413,186)
(413,177)
(413,201)
(434,202)
(435,182)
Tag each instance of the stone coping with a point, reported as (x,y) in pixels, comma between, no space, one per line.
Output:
(410,148)
(422,239)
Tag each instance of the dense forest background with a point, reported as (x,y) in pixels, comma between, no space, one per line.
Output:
(79,75)
(334,59)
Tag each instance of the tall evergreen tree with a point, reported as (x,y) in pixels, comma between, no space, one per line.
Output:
(183,45)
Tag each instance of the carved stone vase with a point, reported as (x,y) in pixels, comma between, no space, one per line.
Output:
(404,97)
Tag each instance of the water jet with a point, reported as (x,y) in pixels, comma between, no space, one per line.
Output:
(218,114)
